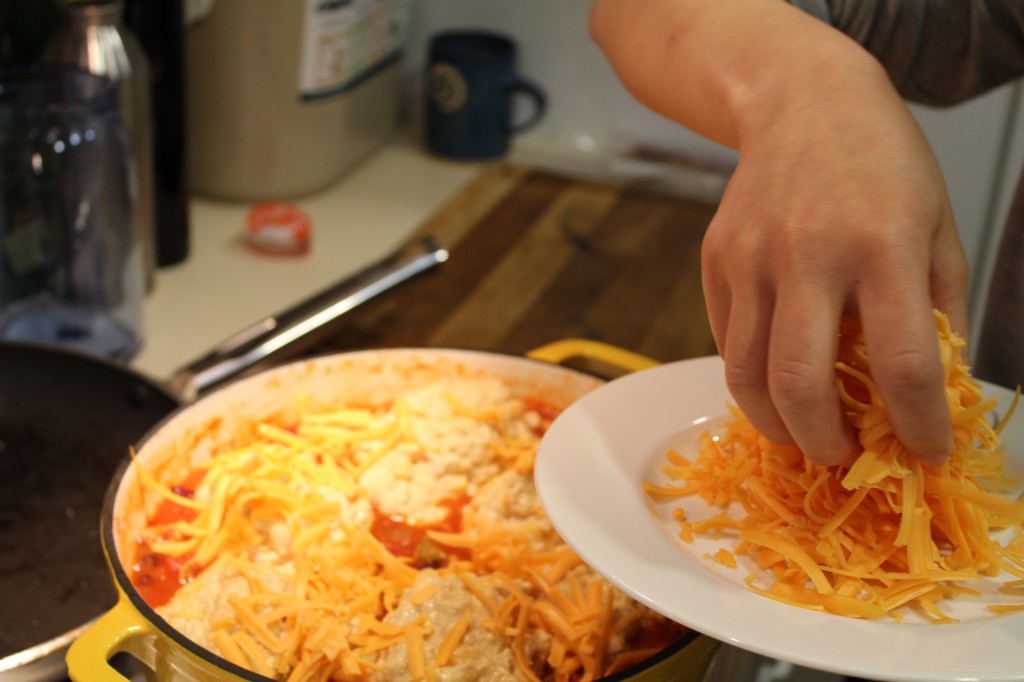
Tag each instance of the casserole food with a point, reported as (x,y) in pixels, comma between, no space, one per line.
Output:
(227,420)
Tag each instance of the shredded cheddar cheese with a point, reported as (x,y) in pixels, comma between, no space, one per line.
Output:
(284,532)
(872,539)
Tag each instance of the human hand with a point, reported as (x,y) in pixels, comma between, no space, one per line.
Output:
(837,207)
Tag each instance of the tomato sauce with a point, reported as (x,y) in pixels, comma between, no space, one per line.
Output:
(406,540)
(546,411)
(158,576)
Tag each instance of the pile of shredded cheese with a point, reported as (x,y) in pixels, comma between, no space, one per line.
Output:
(286,516)
(881,535)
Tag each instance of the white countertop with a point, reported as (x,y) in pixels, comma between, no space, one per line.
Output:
(224,286)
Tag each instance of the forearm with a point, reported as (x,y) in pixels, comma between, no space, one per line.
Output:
(726,67)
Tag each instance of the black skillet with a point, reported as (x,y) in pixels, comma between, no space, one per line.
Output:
(66,421)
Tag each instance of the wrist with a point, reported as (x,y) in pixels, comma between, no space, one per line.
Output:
(802,67)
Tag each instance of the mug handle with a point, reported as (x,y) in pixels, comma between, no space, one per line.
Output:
(536,95)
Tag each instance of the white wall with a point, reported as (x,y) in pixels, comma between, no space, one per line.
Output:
(971,141)
(1006,173)
(589,110)
(591,114)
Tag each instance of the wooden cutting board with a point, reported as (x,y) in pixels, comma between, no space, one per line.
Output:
(537,257)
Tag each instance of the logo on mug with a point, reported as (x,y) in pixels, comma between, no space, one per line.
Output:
(447,87)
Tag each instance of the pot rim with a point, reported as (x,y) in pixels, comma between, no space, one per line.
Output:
(125,587)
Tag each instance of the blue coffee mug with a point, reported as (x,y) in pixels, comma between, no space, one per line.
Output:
(472,82)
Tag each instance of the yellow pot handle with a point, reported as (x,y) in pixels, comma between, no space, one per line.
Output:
(558,352)
(89,655)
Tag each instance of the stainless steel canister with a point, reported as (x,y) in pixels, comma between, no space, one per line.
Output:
(93,37)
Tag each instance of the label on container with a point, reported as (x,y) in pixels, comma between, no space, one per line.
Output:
(346,41)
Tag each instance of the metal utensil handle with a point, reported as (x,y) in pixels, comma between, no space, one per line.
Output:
(259,341)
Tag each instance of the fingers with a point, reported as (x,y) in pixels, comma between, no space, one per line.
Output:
(907,368)
(746,362)
(780,358)
(740,309)
(949,279)
(801,376)
(780,342)
(776,290)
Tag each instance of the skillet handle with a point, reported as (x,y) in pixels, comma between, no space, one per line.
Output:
(89,655)
(265,338)
(558,352)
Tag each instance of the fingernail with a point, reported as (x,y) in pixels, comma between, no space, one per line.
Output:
(837,458)
(935,458)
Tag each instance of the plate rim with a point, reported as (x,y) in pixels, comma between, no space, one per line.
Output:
(553,487)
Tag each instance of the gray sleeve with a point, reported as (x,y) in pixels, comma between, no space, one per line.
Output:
(937,52)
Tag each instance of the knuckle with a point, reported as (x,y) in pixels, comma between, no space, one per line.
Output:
(714,247)
(744,380)
(922,439)
(911,384)
(906,373)
(749,388)
(796,384)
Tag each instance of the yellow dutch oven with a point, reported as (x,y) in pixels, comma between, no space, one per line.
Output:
(189,435)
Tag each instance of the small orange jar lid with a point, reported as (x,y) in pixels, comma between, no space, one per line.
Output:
(278,228)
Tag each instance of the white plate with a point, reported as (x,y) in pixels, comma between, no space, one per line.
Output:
(589,472)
